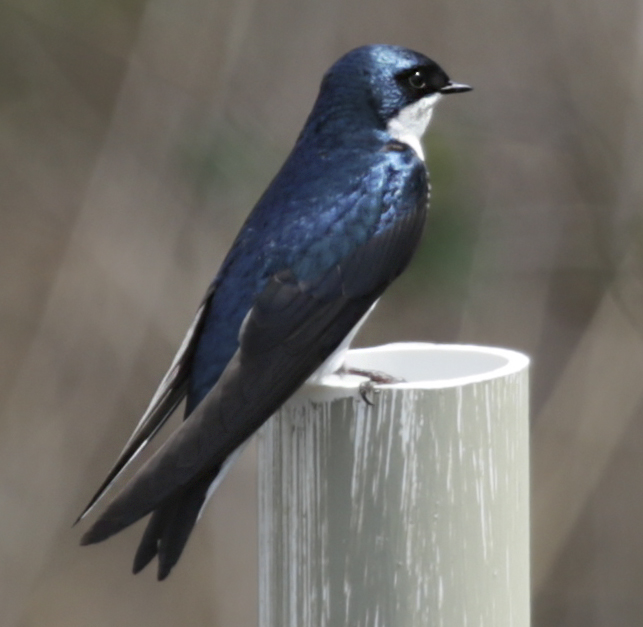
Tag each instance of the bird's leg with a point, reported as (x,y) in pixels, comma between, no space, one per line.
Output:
(374,377)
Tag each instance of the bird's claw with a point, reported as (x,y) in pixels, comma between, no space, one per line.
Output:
(374,377)
(365,389)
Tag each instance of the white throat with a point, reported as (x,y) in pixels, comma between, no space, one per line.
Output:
(409,124)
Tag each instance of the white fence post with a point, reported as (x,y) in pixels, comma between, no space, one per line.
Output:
(411,513)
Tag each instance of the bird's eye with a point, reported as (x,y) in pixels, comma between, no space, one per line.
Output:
(417,80)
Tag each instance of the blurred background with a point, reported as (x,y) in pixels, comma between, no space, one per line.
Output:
(135,136)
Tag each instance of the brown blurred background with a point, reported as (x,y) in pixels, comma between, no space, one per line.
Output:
(134,138)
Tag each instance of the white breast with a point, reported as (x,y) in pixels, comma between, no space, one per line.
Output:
(410,123)
(336,360)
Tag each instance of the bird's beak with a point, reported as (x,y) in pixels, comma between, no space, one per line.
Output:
(455,88)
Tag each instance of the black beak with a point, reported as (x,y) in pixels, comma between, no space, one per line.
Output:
(455,88)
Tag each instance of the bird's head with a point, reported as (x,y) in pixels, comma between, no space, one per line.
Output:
(387,87)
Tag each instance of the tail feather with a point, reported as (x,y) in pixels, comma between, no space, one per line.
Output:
(170,526)
(149,545)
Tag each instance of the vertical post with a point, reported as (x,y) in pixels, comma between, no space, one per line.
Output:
(411,512)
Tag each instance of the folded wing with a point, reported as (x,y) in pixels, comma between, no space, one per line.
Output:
(167,397)
(292,328)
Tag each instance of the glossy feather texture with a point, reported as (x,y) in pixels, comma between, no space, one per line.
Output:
(337,225)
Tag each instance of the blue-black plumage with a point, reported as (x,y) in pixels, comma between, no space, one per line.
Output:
(339,222)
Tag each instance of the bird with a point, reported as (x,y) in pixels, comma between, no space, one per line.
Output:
(336,226)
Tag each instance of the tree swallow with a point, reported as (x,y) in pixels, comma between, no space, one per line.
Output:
(339,222)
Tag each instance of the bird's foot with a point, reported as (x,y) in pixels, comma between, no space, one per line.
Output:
(375,377)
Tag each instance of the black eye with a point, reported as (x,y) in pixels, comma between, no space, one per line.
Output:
(417,80)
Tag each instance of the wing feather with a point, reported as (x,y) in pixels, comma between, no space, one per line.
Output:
(168,396)
(291,329)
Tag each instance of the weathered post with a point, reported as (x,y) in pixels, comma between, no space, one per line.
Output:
(410,512)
